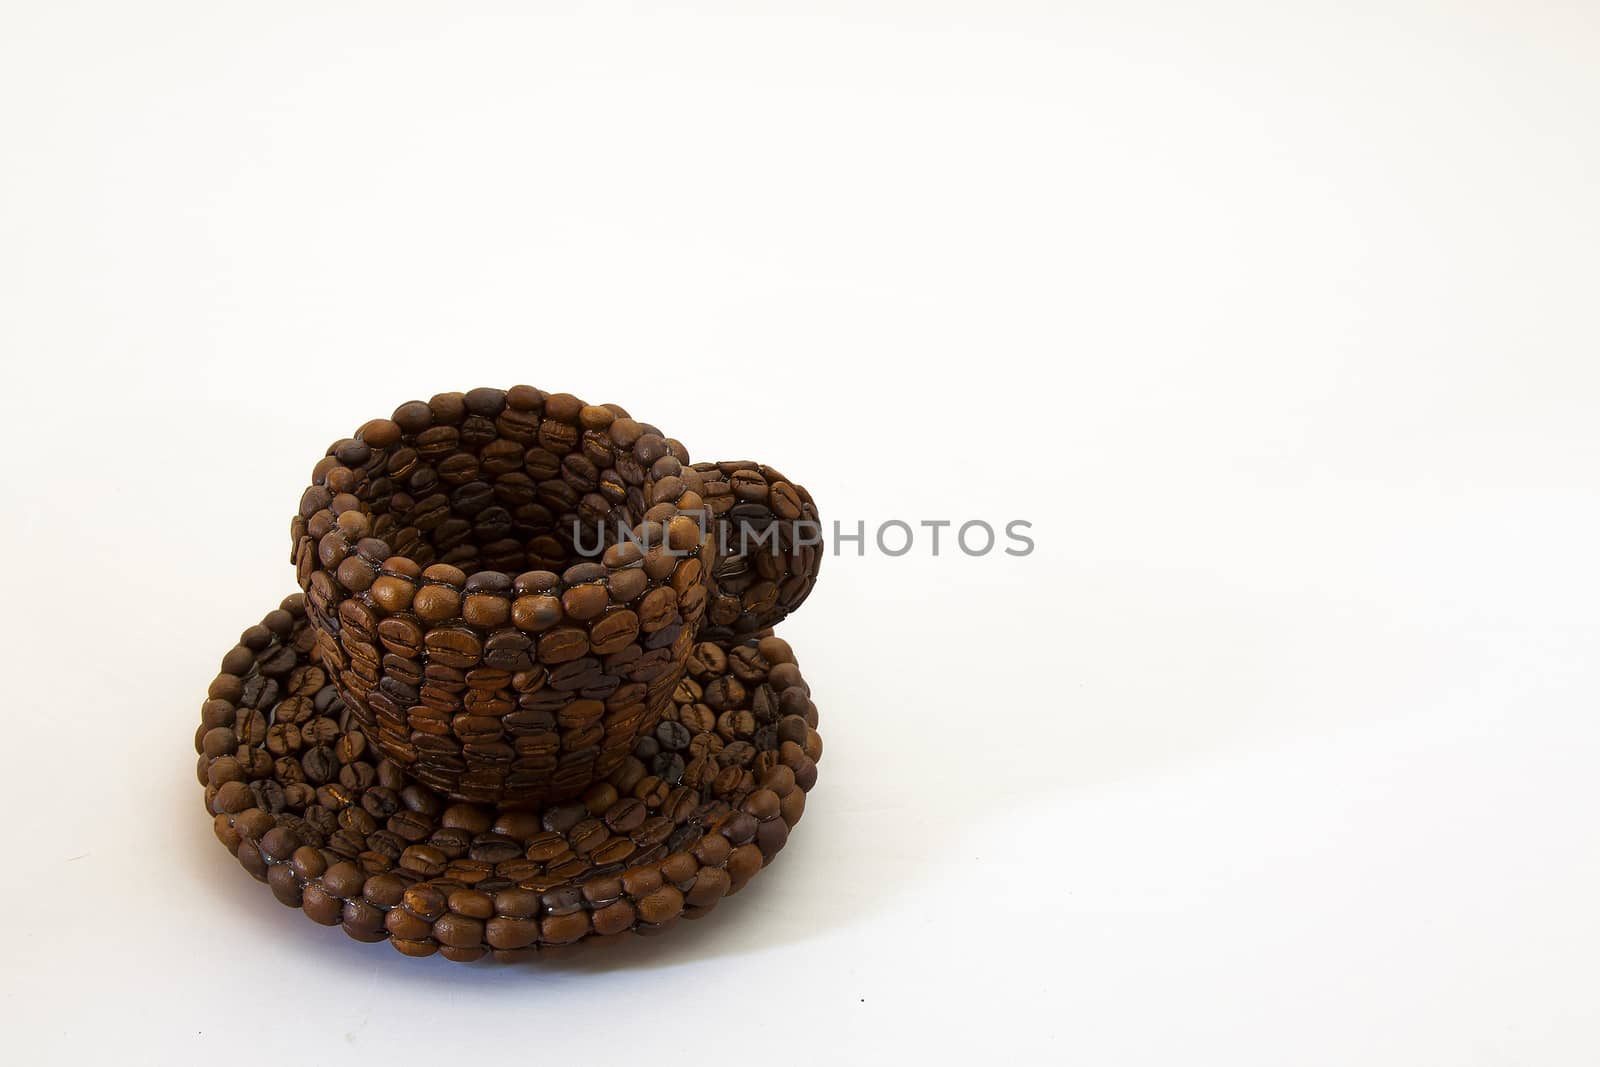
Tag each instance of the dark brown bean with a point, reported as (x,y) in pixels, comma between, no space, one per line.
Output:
(458,931)
(562,645)
(585,602)
(663,905)
(658,608)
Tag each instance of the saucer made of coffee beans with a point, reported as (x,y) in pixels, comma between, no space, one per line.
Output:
(307,806)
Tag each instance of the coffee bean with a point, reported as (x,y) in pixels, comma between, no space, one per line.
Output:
(585,602)
(471,903)
(485,402)
(536,613)
(614,631)
(587,836)
(283,739)
(436,603)
(401,636)
(411,826)
(658,609)
(268,795)
(423,860)
(320,764)
(493,848)
(611,855)
(738,723)
(221,770)
(668,766)
(674,736)
(454,646)
(663,905)
(486,610)
(762,804)
(613,918)
(562,645)
(710,885)
(626,586)
(217,742)
(508,932)
(743,863)
(598,798)
(458,931)
(565,929)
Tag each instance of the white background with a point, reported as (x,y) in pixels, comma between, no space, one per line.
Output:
(1276,320)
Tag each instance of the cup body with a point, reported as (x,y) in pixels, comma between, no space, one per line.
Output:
(505,585)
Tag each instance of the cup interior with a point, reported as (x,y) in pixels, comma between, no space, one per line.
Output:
(508,495)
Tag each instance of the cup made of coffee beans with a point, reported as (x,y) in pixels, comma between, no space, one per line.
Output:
(505,584)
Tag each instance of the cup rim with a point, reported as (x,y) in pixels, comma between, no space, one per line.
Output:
(679,528)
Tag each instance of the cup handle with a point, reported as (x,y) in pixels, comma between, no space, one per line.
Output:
(768,546)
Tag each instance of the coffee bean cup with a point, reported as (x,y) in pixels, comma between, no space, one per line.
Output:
(505,585)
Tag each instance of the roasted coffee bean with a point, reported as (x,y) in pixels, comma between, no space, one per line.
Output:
(383,849)
(486,610)
(736,724)
(786,675)
(587,836)
(673,736)
(697,717)
(319,765)
(423,860)
(269,795)
(380,802)
(565,929)
(730,781)
(747,665)
(436,603)
(537,612)
(668,766)
(453,646)
(663,905)
(356,777)
(276,662)
(562,645)
(626,586)
(319,818)
(748,485)
(562,817)
(762,804)
(214,713)
(724,693)
(455,844)
(411,826)
(404,925)
(792,728)
(585,602)
(401,636)
(256,761)
(283,739)
(495,848)
(418,799)
(217,742)
(708,659)
(613,632)
(319,731)
(250,727)
(658,609)
(222,769)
